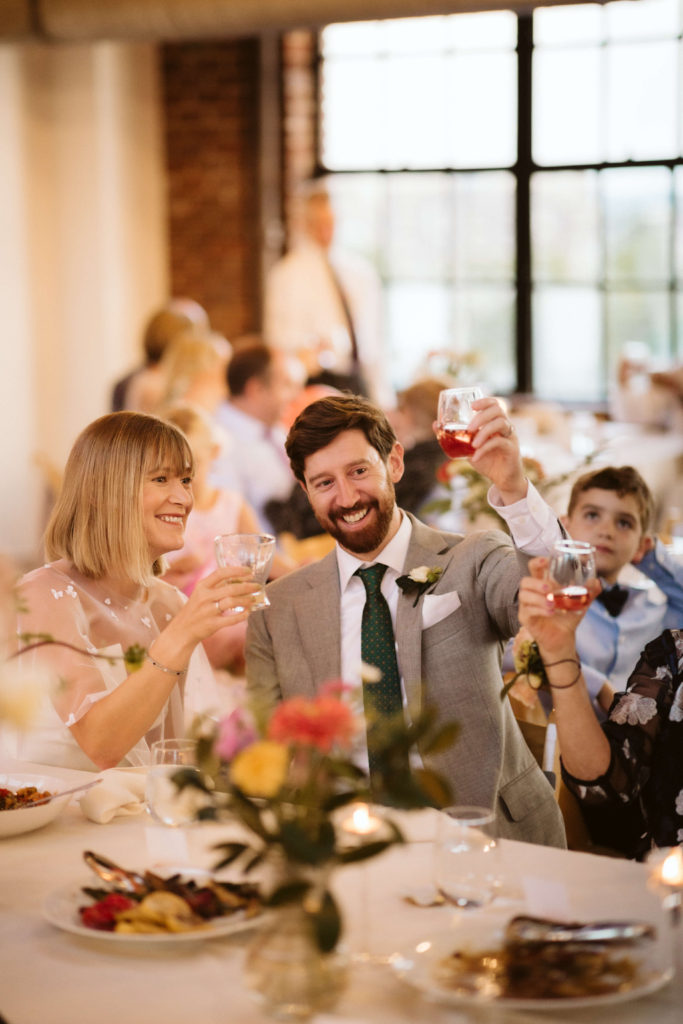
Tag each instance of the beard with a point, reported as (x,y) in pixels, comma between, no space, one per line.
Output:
(360,542)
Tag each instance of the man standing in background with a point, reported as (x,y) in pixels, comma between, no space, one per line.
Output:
(324,305)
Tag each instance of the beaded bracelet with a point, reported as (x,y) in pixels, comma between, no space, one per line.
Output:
(564,661)
(171,671)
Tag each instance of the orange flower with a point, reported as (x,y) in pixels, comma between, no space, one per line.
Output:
(322,722)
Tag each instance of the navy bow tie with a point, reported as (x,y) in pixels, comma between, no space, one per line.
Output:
(613,599)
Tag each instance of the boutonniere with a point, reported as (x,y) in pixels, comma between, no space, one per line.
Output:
(419,581)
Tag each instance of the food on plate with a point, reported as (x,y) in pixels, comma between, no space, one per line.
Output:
(11,799)
(168,905)
(546,960)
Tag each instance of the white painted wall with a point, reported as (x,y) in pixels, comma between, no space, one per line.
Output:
(83,251)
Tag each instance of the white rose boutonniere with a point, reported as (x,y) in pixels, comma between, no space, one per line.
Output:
(420,580)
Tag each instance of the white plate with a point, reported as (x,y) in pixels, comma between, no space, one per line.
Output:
(418,967)
(25,819)
(61,909)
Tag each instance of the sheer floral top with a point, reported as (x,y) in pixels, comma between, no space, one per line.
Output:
(99,625)
(638,803)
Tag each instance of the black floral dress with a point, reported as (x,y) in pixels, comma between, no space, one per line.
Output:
(638,802)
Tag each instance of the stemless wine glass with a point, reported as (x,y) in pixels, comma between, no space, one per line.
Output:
(466,861)
(571,565)
(453,419)
(255,552)
(167,804)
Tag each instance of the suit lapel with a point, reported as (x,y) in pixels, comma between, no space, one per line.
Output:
(319,604)
(427,547)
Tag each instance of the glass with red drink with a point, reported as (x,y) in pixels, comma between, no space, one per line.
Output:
(453,420)
(571,565)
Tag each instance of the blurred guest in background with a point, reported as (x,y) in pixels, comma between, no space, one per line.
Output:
(142,388)
(641,394)
(324,304)
(193,367)
(261,384)
(412,420)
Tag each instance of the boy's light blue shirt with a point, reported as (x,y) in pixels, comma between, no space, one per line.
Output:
(608,647)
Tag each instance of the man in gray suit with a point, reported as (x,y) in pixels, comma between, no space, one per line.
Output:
(345,454)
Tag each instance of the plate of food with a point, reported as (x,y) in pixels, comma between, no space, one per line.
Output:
(533,964)
(17,790)
(187,906)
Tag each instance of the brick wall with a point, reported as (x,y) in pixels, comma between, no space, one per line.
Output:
(300,117)
(211,101)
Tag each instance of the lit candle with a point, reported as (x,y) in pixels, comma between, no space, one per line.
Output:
(671,871)
(361,822)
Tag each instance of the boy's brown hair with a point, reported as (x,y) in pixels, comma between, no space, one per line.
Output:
(622,479)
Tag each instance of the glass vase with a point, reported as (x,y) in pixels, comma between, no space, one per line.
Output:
(287,971)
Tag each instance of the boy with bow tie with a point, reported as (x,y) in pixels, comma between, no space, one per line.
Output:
(613,509)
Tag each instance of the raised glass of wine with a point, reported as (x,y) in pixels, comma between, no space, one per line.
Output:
(453,420)
(571,565)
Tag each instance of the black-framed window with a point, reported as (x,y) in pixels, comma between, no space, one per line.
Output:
(518,182)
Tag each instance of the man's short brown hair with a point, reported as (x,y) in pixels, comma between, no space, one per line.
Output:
(321,422)
(622,479)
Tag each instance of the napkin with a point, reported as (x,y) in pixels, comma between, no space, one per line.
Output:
(121,792)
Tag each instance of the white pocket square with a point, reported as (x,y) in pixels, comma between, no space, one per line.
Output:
(436,607)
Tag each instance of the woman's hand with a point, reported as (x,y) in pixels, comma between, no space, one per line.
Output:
(220,599)
(552,629)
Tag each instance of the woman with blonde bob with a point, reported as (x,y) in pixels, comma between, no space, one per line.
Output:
(125,499)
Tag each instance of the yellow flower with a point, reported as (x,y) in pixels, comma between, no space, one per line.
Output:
(261,769)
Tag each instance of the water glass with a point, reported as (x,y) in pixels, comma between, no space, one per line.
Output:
(167,804)
(453,418)
(253,551)
(571,565)
(466,861)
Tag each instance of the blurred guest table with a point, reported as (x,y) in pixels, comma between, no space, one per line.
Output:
(49,976)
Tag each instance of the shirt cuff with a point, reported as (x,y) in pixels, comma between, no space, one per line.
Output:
(533,525)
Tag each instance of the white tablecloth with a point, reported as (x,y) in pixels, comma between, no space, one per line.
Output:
(48,976)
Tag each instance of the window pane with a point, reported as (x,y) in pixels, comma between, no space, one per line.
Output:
(645,20)
(486,31)
(418,322)
(352,108)
(354,38)
(678,183)
(413,35)
(483,232)
(566,343)
(566,107)
(563,25)
(358,201)
(637,316)
(415,113)
(484,324)
(482,110)
(418,226)
(565,224)
(637,225)
(642,86)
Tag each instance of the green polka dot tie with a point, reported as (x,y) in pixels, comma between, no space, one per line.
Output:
(378,648)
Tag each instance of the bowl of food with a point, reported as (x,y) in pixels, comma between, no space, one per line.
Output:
(18,790)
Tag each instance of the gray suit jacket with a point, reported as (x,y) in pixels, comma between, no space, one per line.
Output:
(454,665)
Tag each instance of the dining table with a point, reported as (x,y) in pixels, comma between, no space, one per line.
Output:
(50,975)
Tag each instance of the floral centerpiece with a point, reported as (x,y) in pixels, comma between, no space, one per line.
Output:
(287,778)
